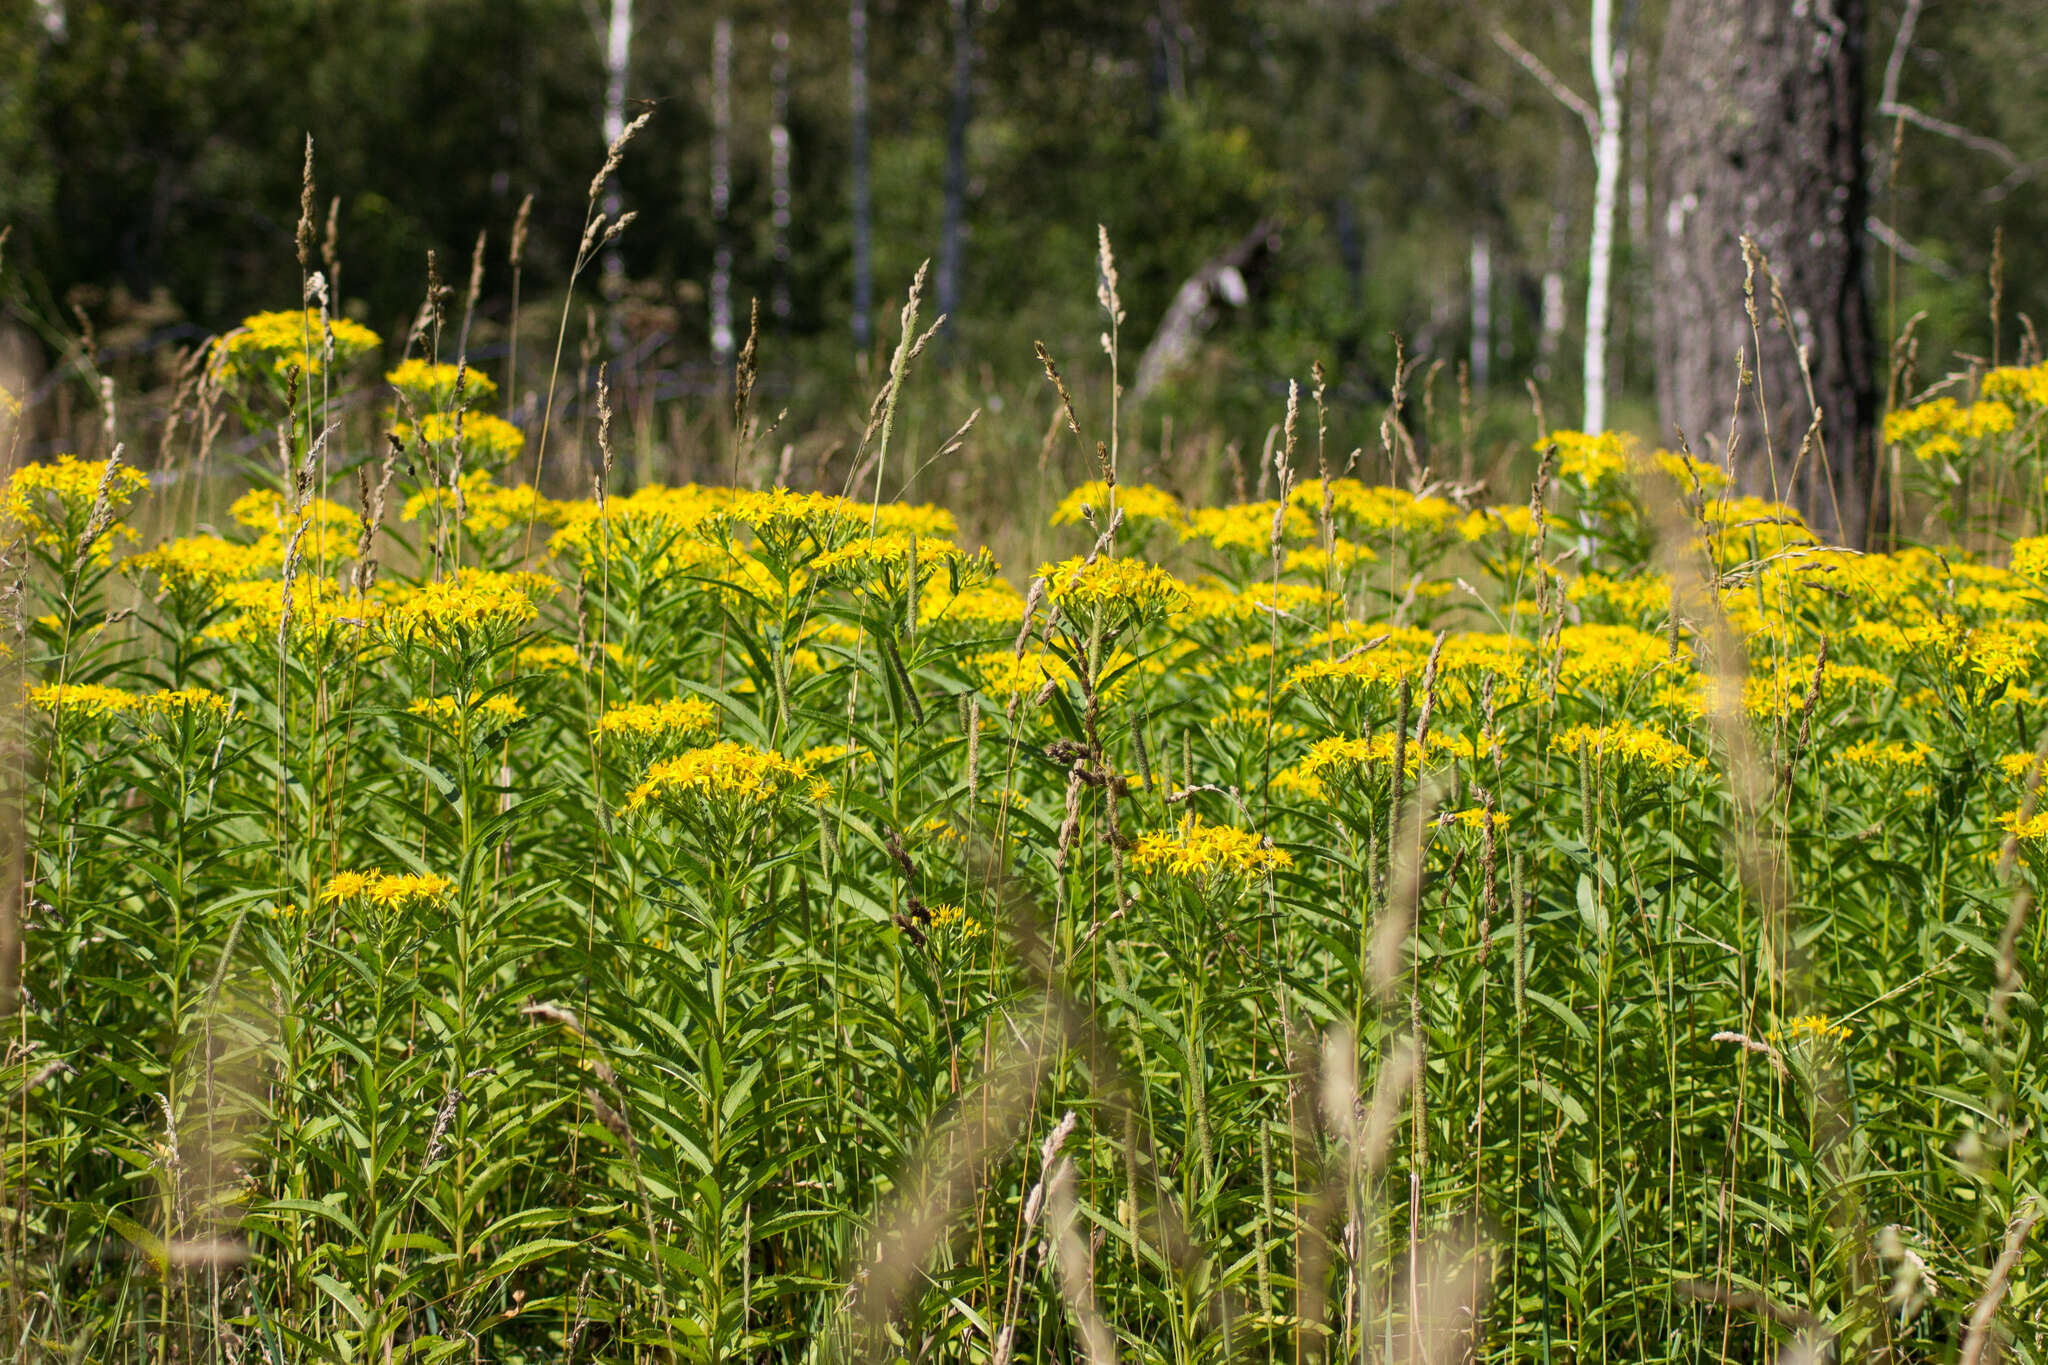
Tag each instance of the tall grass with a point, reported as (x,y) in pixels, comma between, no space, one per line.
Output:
(456,922)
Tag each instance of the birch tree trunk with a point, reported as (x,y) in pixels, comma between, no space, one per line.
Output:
(778,180)
(618,50)
(1760,134)
(1482,311)
(721,190)
(1606,182)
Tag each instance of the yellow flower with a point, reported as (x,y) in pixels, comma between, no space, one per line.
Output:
(1512,522)
(1004,673)
(1114,592)
(1246,527)
(1589,458)
(2031,829)
(387,890)
(1895,755)
(676,721)
(479,435)
(1198,851)
(476,606)
(1634,597)
(994,606)
(274,342)
(1815,1026)
(952,917)
(1685,471)
(913,519)
(1988,418)
(204,563)
(1904,425)
(82,701)
(1627,743)
(878,559)
(323,614)
(563,658)
(1339,764)
(491,714)
(1361,508)
(1137,501)
(1314,562)
(727,774)
(52,504)
(185,703)
(1211,601)
(658,524)
(433,386)
(1606,659)
(486,507)
(2028,384)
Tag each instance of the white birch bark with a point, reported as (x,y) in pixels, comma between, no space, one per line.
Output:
(721,190)
(1606,182)
(618,51)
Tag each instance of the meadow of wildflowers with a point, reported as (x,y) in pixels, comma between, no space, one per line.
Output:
(1589,919)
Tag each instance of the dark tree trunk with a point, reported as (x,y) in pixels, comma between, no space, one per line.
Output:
(863,213)
(953,213)
(1759,133)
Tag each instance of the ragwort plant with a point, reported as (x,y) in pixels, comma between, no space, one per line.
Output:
(693,923)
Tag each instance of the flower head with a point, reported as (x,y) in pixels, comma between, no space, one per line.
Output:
(1209,856)
(272,343)
(387,890)
(431,386)
(53,505)
(730,776)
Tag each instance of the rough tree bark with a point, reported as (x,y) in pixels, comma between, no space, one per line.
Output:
(863,210)
(1760,119)
(946,282)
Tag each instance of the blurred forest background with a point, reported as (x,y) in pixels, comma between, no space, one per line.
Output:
(1324,177)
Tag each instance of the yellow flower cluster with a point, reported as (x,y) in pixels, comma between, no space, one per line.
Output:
(2019,384)
(432,386)
(480,436)
(1940,427)
(1213,601)
(1114,591)
(1340,558)
(990,607)
(486,507)
(678,720)
(1336,762)
(51,504)
(1362,508)
(727,774)
(1004,673)
(491,714)
(1818,1027)
(1247,528)
(1511,522)
(1893,755)
(475,606)
(1624,742)
(323,614)
(82,701)
(1139,502)
(271,343)
(1588,457)
(96,702)
(202,564)
(387,890)
(1201,852)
